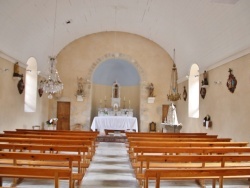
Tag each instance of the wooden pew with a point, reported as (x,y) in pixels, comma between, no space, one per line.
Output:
(161,144)
(54,149)
(52,134)
(190,157)
(173,139)
(134,144)
(186,151)
(49,136)
(157,134)
(189,150)
(58,131)
(42,160)
(33,172)
(206,173)
(173,136)
(45,136)
(87,143)
(191,161)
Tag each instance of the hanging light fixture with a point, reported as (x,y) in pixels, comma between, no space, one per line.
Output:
(53,83)
(173,93)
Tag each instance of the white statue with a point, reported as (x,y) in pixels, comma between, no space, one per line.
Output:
(172,117)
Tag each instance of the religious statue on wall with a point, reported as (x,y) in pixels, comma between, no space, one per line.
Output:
(172,116)
(205,78)
(16,71)
(80,87)
(116,94)
(151,90)
(116,91)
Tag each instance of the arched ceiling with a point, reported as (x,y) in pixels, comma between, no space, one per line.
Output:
(202,31)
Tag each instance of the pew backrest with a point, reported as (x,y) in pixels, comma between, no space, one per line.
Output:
(195,173)
(34,172)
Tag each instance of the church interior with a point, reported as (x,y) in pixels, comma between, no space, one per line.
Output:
(115,68)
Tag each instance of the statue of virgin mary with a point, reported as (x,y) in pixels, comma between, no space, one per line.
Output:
(172,117)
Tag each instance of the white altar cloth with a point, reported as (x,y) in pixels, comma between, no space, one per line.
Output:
(114,123)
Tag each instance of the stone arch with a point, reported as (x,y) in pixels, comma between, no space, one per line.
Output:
(129,60)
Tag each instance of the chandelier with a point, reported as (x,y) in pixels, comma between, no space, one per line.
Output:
(173,92)
(53,83)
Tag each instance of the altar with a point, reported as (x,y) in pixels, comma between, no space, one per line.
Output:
(114,123)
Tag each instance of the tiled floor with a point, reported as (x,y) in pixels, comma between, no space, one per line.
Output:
(110,168)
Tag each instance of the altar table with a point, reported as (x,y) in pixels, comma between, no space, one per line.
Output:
(114,123)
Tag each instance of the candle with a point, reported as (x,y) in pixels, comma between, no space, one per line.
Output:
(129,102)
(124,98)
(100,100)
(105,97)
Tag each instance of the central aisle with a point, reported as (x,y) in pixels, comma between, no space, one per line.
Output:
(110,167)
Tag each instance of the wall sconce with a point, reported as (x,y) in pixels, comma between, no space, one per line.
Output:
(217,82)
(231,81)
(20,85)
(3,70)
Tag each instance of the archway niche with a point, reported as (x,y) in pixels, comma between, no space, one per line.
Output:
(31,85)
(193,92)
(123,70)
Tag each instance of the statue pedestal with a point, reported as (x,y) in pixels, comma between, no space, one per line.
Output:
(151,99)
(115,102)
(172,128)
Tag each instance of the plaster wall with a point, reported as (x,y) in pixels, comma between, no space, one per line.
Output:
(229,112)
(12,115)
(81,57)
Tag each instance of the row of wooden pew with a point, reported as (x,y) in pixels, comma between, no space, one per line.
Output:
(46,154)
(185,156)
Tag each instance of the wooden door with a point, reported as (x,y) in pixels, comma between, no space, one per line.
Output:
(164,112)
(63,115)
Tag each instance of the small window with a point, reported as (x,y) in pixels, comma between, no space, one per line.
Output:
(30,86)
(193,92)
